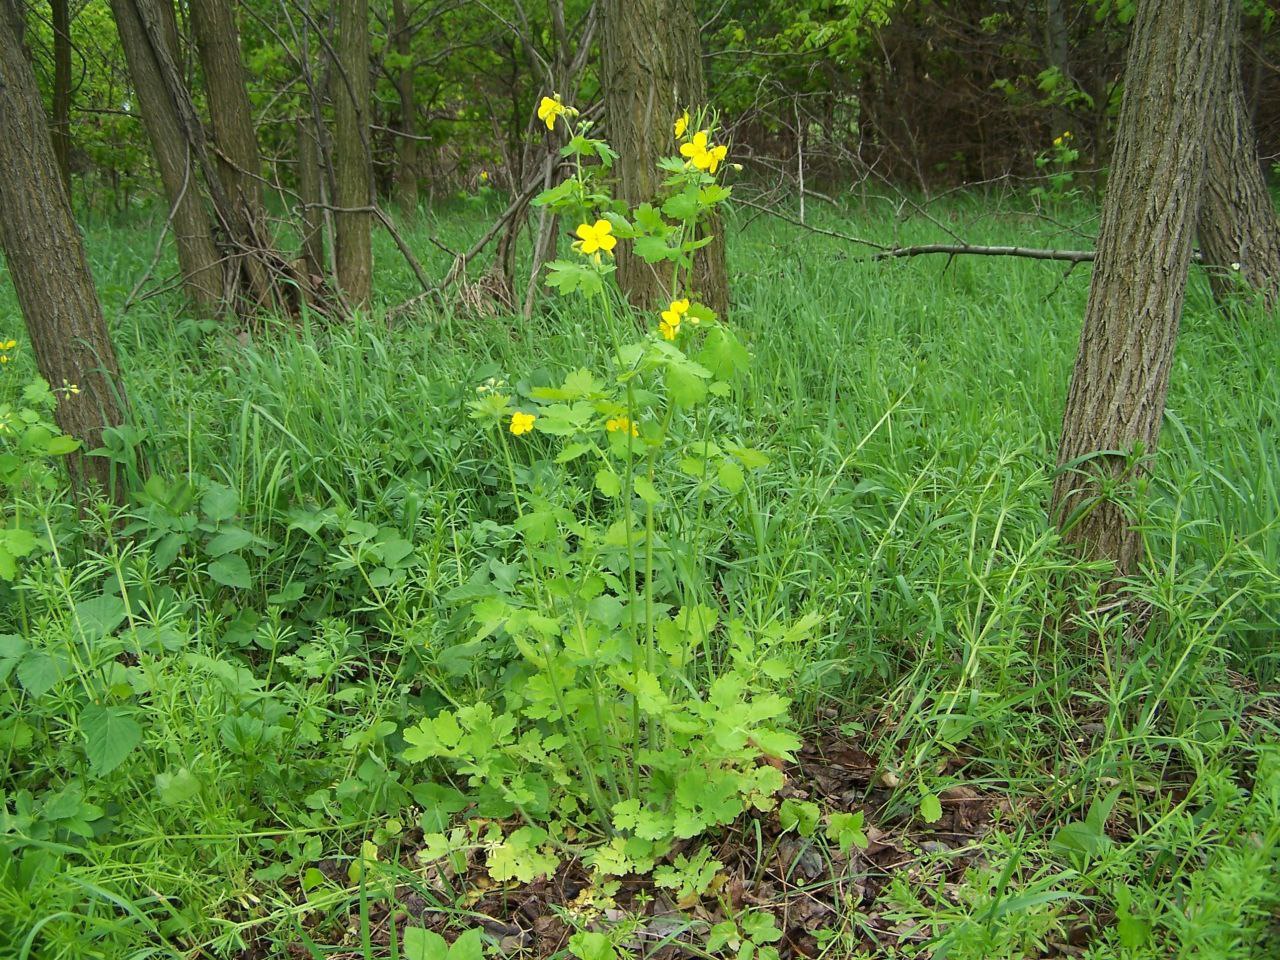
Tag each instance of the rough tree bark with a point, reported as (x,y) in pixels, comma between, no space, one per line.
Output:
(352,174)
(47,264)
(198,256)
(310,192)
(60,128)
(1238,223)
(218,46)
(1116,401)
(236,142)
(406,143)
(652,70)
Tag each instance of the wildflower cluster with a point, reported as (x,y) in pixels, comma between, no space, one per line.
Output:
(636,709)
(1059,165)
(7,347)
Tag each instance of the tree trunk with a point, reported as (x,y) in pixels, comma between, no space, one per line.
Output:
(198,256)
(1116,402)
(238,164)
(218,45)
(352,174)
(310,175)
(1239,233)
(50,274)
(60,130)
(406,144)
(652,70)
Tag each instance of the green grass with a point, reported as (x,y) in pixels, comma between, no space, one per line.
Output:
(910,410)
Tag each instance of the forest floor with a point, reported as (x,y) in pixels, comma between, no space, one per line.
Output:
(998,757)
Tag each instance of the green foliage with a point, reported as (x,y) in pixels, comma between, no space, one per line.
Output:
(30,446)
(616,712)
(874,459)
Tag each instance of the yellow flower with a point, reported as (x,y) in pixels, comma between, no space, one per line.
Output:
(702,153)
(622,423)
(550,108)
(484,175)
(69,387)
(5,347)
(670,324)
(682,124)
(596,236)
(521,422)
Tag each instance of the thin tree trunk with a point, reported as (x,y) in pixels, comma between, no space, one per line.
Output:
(1239,233)
(198,256)
(311,193)
(652,70)
(352,175)
(238,164)
(407,143)
(1116,402)
(60,129)
(218,46)
(50,273)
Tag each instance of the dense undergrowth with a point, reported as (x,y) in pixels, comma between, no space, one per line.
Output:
(295,581)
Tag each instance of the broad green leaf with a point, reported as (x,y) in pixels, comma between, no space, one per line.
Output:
(99,616)
(800,816)
(220,502)
(421,944)
(40,672)
(232,538)
(930,808)
(592,945)
(468,946)
(231,571)
(646,491)
(608,483)
(110,734)
(176,787)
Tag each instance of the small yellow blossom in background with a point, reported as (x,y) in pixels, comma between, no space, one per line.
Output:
(682,124)
(5,347)
(1059,141)
(596,236)
(521,422)
(671,317)
(484,176)
(622,424)
(71,388)
(702,153)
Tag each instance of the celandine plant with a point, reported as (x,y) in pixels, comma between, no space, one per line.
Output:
(638,713)
(30,444)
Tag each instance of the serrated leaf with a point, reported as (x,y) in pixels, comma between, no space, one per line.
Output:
(99,616)
(40,672)
(800,816)
(930,808)
(231,571)
(220,502)
(608,483)
(646,491)
(233,538)
(110,734)
(731,477)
